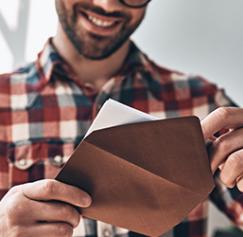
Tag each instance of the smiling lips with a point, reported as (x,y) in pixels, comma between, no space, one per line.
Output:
(99,22)
(100,25)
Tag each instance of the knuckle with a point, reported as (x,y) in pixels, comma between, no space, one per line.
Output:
(49,187)
(65,230)
(76,219)
(235,164)
(235,161)
(14,190)
(70,214)
(224,112)
(226,180)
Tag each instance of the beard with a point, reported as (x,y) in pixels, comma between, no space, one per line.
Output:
(89,45)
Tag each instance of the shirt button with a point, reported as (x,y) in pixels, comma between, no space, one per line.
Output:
(23,164)
(107,233)
(58,159)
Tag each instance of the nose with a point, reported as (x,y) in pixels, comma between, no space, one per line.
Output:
(108,5)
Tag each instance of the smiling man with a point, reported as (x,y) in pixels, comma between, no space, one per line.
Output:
(47,106)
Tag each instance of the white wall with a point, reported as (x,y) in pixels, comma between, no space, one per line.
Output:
(204,37)
(25,26)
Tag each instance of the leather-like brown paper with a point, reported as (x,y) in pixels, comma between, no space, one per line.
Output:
(145,177)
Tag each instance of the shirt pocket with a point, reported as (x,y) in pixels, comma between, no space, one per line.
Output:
(42,159)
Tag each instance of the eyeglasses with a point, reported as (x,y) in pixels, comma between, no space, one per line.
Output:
(135,3)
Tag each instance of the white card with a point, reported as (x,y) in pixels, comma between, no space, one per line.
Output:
(114,113)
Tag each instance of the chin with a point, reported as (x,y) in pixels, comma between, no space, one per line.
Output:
(95,56)
(95,53)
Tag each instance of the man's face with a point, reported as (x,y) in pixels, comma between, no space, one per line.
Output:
(97,28)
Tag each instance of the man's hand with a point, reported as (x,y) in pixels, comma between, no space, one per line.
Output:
(226,152)
(44,208)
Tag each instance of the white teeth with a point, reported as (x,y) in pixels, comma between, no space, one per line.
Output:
(99,22)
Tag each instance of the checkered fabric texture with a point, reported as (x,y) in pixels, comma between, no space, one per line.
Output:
(45,111)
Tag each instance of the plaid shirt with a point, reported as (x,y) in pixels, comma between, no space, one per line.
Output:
(45,111)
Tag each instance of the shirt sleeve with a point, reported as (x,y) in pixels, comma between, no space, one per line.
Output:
(229,201)
(4,169)
(5,123)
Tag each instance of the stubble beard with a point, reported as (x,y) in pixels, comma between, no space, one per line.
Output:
(92,46)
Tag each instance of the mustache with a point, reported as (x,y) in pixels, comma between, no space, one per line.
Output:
(100,11)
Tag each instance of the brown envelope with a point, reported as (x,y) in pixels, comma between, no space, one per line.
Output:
(145,177)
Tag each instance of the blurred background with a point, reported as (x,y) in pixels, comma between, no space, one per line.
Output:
(194,36)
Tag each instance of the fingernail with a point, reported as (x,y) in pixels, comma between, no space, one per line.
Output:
(86,202)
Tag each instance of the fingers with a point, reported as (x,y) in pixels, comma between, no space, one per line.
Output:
(222,118)
(55,212)
(232,172)
(21,215)
(47,190)
(44,230)
(53,230)
(39,211)
(224,146)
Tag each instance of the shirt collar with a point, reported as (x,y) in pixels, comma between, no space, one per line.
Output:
(49,62)
(48,59)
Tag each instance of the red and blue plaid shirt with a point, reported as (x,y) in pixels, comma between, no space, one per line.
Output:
(45,111)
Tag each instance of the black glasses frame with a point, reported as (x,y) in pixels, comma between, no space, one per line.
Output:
(135,6)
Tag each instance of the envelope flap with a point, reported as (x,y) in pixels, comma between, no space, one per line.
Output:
(173,149)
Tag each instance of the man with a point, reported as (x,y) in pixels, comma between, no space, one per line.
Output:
(47,106)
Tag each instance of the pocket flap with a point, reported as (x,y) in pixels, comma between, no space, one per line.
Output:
(25,155)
